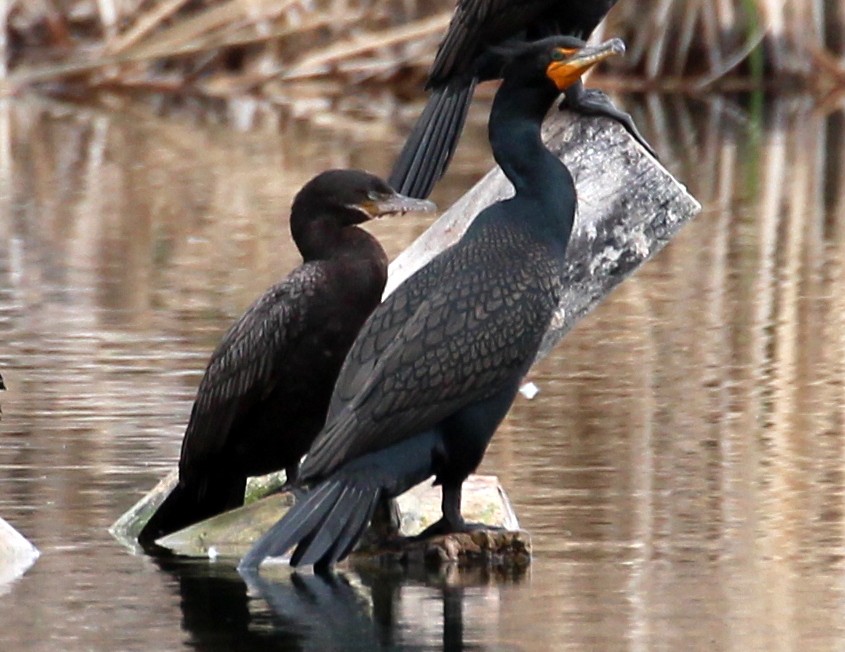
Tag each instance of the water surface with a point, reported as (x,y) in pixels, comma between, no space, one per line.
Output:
(681,470)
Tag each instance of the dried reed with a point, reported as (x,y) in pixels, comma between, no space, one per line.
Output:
(228,47)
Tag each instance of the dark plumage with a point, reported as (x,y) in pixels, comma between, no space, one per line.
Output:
(461,62)
(437,365)
(266,389)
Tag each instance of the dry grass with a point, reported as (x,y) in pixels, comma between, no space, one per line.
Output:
(227,48)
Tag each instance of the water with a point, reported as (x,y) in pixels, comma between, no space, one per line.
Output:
(681,470)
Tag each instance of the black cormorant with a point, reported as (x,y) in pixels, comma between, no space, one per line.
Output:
(438,363)
(461,63)
(266,389)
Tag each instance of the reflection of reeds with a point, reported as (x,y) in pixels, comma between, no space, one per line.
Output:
(229,47)
(692,425)
(681,469)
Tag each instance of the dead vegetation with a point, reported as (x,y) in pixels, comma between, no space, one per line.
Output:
(230,48)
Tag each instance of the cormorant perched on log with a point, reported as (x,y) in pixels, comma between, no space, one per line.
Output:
(266,389)
(461,63)
(437,365)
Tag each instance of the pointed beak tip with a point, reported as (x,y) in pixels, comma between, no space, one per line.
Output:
(616,46)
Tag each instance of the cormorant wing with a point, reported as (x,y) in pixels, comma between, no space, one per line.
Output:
(479,328)
(245,366)
(479,24)
(378,332)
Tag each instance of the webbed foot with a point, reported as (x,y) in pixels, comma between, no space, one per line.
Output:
(590,101)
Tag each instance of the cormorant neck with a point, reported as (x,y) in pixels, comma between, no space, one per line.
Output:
(514,131)
(322,238)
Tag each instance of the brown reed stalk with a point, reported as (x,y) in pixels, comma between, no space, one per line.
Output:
(674,42)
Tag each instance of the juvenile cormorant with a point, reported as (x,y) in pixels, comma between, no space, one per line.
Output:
(266,389)
(461,63)
(438,363)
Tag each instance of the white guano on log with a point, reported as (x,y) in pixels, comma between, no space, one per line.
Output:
(629,207)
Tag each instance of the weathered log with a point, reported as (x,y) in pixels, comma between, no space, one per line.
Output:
(17,554)
(230,535)
(629,207)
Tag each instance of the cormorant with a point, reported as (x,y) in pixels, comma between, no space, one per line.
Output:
(438,363)
(461,63)
(266,389)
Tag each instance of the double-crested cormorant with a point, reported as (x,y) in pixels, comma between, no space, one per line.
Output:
(461,63)
(266,389)
(438,363)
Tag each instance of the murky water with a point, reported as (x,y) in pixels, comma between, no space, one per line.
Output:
(681,470)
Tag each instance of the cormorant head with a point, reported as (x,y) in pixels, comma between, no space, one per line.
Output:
(561,59)
(352,197)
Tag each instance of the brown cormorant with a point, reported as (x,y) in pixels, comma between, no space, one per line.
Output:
(266,389)
(438,363)
(461,63)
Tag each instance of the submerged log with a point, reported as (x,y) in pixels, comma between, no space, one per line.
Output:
(629,207)
(230,535)
(17,554)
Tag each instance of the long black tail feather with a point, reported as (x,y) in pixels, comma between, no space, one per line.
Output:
(433,140)
(183,507)
(330,519)
(324,527)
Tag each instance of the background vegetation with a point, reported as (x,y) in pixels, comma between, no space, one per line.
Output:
(225,48)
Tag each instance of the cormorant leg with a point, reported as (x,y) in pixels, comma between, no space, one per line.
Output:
(385,522)
(450,503)
(452,520)
(594,102)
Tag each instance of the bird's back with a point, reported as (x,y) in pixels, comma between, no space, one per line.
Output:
(452,334)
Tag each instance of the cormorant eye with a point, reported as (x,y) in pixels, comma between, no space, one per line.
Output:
(558,55)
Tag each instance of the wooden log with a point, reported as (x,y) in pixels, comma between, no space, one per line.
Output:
(629,207)
(17,554)
(230,535)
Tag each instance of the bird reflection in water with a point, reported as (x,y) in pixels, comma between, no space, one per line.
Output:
(358,609)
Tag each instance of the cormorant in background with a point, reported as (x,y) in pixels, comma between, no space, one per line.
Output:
(460,64)
(438,363)
(266,389)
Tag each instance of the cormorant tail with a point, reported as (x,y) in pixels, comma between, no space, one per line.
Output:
(430,146)
(183,507)
(330,519)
